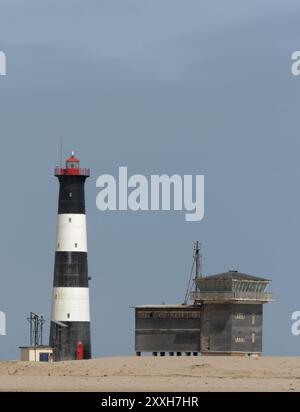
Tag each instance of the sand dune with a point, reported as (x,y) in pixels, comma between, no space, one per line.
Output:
(154,374)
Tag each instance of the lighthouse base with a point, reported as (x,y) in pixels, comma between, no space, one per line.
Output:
(64,339)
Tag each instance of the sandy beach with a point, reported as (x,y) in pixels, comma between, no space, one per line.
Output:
(154,374)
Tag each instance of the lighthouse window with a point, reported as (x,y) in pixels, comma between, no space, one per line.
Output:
(71,165)
(253,337)
(68,315)
(70,219)
(76,245)
(70,194)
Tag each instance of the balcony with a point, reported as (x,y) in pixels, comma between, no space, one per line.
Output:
(227,296)
(59,171)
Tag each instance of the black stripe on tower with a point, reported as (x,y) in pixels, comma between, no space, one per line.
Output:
(71,270)
(71,194)
(64,339)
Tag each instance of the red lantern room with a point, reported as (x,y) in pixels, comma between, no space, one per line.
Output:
(72,168)
(72,162)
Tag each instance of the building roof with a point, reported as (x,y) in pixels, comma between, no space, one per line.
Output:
(72,158)
(181,306)
(36,347)
(235,275)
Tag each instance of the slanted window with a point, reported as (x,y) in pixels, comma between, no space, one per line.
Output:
(72,165)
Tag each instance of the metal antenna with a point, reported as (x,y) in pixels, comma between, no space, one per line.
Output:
(187,293)
(198,261)
(197,265)
(36,329)
(61,151)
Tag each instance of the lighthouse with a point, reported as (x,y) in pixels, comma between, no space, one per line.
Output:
(70,317)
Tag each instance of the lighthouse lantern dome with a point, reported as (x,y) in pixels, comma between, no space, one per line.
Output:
(72,167)
(72,162)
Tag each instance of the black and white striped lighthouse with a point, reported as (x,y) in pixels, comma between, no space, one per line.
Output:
(70,319)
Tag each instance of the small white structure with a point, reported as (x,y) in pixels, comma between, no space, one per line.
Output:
(36,353)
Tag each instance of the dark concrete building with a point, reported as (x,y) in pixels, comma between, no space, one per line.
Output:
(167,328)
(226,317)
(231,312)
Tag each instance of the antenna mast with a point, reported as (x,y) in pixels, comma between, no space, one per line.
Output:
(60,152)
(36,329)
(198,262)
(197,266)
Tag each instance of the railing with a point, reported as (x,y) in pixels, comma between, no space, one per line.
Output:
(224,296)
(59,171)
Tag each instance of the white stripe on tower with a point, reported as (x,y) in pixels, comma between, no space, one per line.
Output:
(71,233)
(71,305)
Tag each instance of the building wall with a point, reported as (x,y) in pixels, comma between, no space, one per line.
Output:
(65,340)
(25,355)
(231,328)
(216,327)
(33,354)
(211,328)
(167,329)
(247,328)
